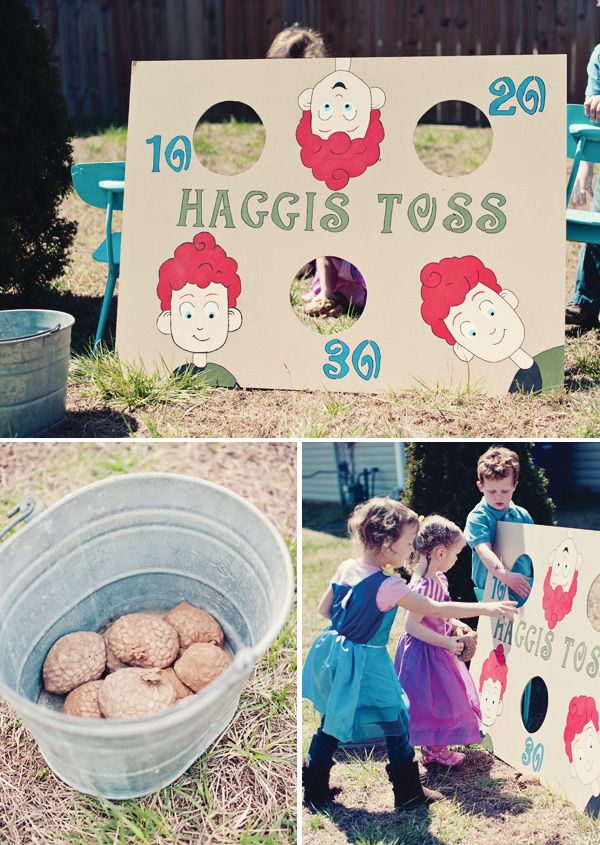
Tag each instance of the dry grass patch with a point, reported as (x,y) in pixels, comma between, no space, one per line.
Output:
(243,789)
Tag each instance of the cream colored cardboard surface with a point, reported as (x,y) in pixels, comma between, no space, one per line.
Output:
(552,640)
(271,348)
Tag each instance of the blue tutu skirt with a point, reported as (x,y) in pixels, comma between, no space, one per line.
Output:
(355,687)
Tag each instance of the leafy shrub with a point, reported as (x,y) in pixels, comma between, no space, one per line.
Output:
(35,156)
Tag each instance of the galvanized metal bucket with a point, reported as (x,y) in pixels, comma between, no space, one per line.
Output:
(34,361)
(137,542)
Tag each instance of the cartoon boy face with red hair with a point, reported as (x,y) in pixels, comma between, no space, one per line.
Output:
(560,584)
(340,129)
(582,746)
(465,306)
(198,290)
(492,685)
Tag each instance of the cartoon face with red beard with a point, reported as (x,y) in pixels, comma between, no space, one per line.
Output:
(340,129)
(560,583)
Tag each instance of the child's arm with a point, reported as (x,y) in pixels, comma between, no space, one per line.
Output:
(415,627)
(423,606)
(326,603)
(513,580)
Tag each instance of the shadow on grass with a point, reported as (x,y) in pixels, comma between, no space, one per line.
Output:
(96,423)
(85,310)
(476,791)
(396,827)
(471,789)
(328,517)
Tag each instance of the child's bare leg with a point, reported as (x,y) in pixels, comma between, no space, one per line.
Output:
(327,276)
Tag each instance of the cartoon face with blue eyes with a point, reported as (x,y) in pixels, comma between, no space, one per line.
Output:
(486,325)
(341,102)
(200,319)
(490,701)
(586,755)
(564,562)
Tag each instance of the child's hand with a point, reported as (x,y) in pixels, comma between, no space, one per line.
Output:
(592,108)
(461,630)
(517,583)
(583,190)
(501,609)
(454,645)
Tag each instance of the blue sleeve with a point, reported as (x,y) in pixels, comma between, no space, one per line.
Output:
(593,69)
(478,529)
(527,517)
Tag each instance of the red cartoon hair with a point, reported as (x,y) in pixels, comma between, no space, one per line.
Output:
(445,284)
(335,160)
(198,263)
(495,668)
(556,602)
(582,709)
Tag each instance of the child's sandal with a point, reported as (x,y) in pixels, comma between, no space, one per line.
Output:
(442,756)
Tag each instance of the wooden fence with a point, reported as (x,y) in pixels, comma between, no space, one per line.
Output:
(95,41)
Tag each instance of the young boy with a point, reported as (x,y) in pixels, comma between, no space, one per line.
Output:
(497,478)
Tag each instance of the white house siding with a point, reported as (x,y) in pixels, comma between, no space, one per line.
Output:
(319,468)
(319,473)
(585,458)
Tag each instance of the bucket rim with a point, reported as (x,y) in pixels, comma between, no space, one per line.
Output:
(175,714)
(67,324)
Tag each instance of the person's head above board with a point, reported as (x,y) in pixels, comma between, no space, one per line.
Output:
(297,42)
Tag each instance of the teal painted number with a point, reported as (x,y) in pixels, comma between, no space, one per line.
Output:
(155,141)
(533,755)
(498,590)
(531,95)
(178,153)
(366,363)
(337,351)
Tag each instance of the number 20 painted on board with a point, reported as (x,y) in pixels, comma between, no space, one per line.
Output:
(531,95)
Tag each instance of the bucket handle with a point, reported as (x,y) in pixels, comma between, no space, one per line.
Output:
(41,333)
(29,507)
(243,663)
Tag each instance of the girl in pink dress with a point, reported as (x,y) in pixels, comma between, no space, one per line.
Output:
(444,705)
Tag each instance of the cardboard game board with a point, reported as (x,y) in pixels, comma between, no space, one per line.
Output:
(464,275)
(554,640)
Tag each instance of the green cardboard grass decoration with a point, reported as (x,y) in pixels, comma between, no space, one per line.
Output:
(554,736)
(464,275)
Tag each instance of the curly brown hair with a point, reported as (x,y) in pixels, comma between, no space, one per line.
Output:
(297,42)
(498,462)
(379,520)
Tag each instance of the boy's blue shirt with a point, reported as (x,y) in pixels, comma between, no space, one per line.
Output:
(593,69)
(481,528)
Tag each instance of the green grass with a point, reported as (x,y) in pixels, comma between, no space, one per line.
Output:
(229,147)
(129,387)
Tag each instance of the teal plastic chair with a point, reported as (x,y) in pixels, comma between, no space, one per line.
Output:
(102,184)
(583,144)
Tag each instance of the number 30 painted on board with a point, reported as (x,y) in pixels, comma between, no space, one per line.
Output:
(366,364)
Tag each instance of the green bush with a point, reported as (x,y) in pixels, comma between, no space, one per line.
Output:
(35,156)
(441,478)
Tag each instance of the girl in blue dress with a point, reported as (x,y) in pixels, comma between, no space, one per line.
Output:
(349,675)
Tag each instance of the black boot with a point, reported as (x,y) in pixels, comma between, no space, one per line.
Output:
(408,789)
(316,786)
